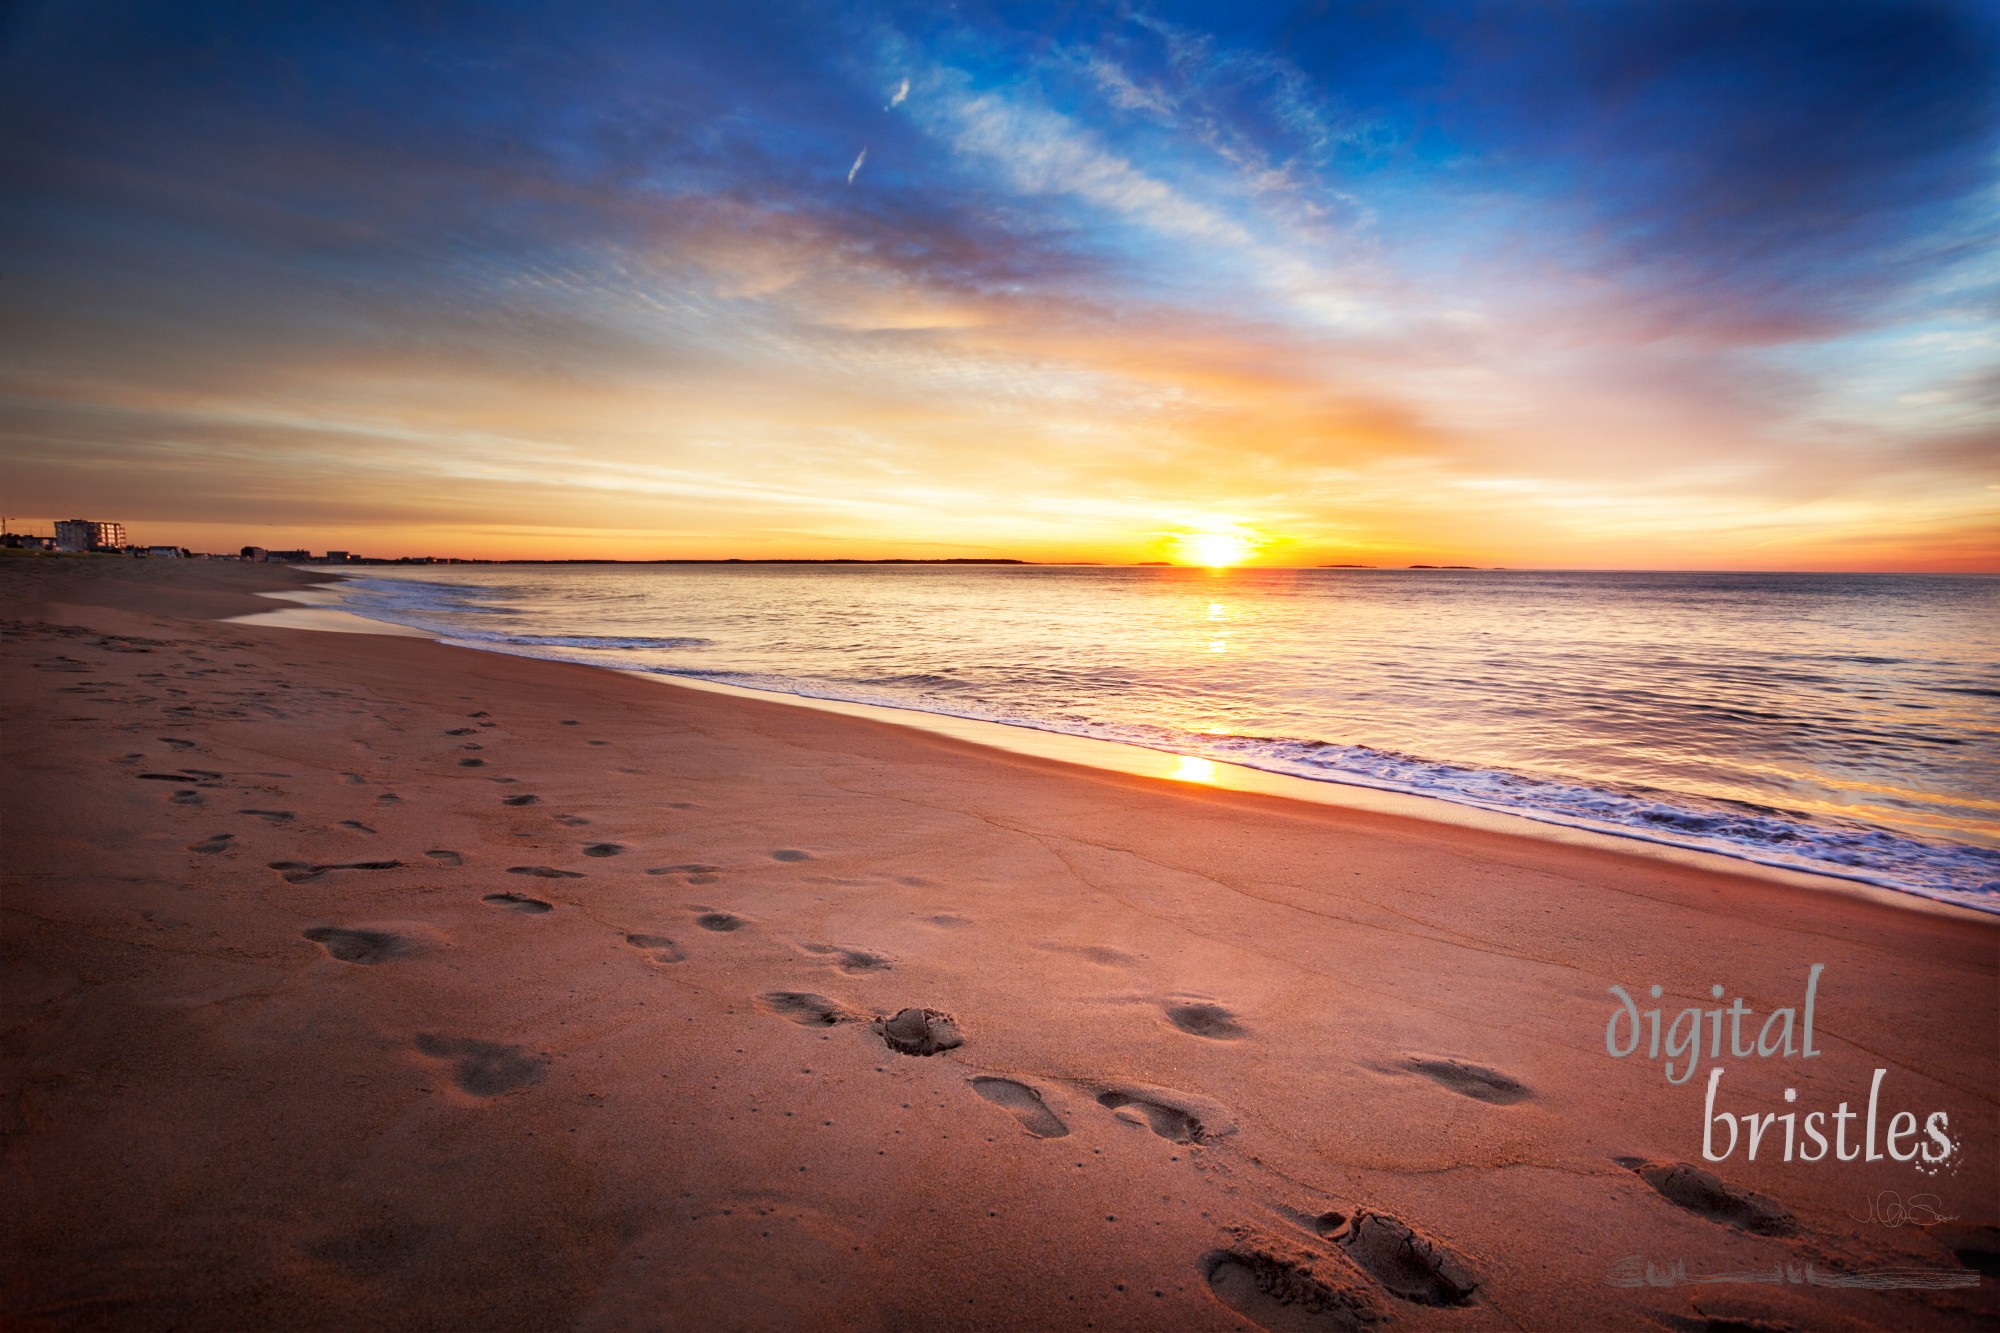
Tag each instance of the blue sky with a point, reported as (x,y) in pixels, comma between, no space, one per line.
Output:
(1683,283)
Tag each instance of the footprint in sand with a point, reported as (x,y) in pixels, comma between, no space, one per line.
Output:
(389,1242)
(696,874)
(1320,1224)
(1280,1288)
(574,821)
(523,799)
(1201,1019)
(1095,953)
(357,946)
(1409,1264)
(1023,1103)
(1167,1121)
(722,922)
(545,872)
(919,1032)
(804,1008)
(463,731)
(304,872)
(850,959)
(1705,1195)
(485,1068)
(518,902)
(790,854)
(603,849)
(356,825)
(657,947)
(597,742)
(269,816)
(1174,1116)
(215,842)
(569,722)
(388,798)
(445,858)
(1976,1247)
(185,798)
(472,763)
(1470,1080)
(177,743)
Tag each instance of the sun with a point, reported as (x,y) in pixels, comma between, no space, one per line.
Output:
(1214,549)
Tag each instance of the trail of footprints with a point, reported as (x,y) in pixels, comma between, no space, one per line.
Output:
(1333,1282)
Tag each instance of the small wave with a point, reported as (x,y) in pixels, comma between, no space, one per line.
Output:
(442,608)
(403,600)
(598,641)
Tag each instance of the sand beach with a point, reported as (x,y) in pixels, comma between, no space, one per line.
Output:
(360,981)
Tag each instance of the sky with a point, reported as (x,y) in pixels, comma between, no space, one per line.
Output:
(1689,284)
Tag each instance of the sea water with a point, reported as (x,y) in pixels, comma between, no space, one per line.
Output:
(1837,723)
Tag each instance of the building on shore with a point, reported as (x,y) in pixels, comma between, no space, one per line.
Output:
(84,534)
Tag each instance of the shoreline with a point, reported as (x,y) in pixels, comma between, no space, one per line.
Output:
(1144,761)
(314,1022)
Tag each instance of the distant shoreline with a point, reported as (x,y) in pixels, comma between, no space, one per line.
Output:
(1006,561)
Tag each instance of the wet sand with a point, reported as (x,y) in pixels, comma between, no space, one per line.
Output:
(359,981)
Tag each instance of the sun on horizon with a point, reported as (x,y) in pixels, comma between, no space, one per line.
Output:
(1215,550)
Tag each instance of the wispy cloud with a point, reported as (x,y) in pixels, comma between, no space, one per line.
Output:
(1039,151)
(855,170)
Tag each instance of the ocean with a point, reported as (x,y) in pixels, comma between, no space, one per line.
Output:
(1844,724)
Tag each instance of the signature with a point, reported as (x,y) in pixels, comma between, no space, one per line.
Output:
(1892,1210)
(1638,1271)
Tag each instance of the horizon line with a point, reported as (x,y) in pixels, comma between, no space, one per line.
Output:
(303,558)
